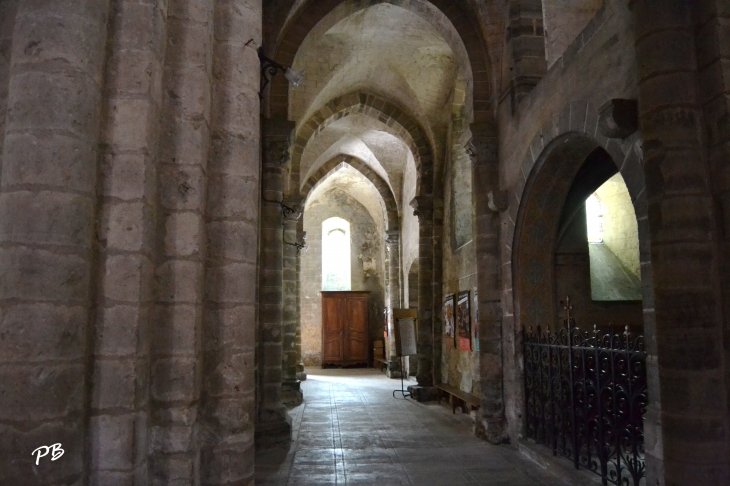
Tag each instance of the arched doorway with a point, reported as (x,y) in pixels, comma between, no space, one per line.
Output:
(585,380)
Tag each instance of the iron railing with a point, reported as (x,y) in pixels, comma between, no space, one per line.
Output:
(585,398)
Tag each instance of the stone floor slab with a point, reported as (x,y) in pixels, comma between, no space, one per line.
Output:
(351,431)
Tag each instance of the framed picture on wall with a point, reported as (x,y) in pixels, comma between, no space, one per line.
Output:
(463,320)
(476,320)
(449,317)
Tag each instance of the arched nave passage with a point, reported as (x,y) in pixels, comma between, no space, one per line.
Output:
(162,223)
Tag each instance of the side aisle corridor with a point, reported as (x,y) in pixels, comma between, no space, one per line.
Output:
(350,430)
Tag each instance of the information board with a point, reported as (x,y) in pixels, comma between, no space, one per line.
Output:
(405,330)
(407,334)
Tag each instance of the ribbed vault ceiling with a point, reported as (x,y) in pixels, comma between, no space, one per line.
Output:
(391,52)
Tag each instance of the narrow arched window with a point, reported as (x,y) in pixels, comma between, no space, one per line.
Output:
(594,219)
(336,266)
(613,243)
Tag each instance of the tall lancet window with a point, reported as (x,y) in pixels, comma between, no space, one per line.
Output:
(336,270)
(594,219)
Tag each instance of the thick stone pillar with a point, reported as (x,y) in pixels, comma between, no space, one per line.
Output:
(120,393)
(423,208)
(175,375)
(231,225)
(301,237)
(491,424)
(291,392)
(394,295)
(686,427)
(526,46)
(437,267)
(8,10)
(273,422)
(47,213)
(712,24)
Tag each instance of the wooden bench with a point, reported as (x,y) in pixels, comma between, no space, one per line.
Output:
(458,397)
(379,360)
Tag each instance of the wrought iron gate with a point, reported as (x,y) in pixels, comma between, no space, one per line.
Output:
(585,397)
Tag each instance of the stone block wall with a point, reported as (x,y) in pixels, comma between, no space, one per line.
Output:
(47,234)
(409,225)
(565,101)
(563,21)
(620,230)
(459,368)
(129,255)
(573,278)
(7,24)
(366,243)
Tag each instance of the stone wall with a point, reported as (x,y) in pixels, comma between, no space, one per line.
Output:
(129,219)
(573,278)
(564,20)
(620,230)
(566,100)
(7,23)
(367,248)
(459,368)
(409,222)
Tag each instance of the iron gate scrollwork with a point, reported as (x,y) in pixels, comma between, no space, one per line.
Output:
(585,398)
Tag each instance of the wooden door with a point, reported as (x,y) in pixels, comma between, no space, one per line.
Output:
(356,343)
(333,320)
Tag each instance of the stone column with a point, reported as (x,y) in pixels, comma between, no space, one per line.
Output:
(394,295)
(437,267)
(175,374)
(686,427)
(47,213)
(291,392)
(423,208)
(120,393)
(302,237)
(526,45)
(231,225)
(485,162)
(273,422)
(8,10)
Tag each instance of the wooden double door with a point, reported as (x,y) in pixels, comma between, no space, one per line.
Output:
(345,330)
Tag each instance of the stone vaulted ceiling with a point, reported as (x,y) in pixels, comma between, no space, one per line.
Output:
(345,179)
(385,50)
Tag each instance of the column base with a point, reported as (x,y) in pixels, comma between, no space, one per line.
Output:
(423,393)
(273,434)
(412,367)
(301,373)
(291,393)
(394,369)
(493,430)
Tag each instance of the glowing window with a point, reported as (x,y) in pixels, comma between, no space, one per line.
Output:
(336,271)
(594,219)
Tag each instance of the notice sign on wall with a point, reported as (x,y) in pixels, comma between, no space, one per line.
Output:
(463,319)
(406,332)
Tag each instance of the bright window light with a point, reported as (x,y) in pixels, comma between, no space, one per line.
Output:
(336,272)
(594,219)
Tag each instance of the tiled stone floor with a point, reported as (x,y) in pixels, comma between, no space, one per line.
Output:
(350,430)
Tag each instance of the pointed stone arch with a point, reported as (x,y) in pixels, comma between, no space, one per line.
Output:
(403,125)
(383,188)
(537,210)
(304,19)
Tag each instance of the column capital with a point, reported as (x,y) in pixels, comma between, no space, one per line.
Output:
(295,204)
(392,237)
(423,208)
(277,136)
